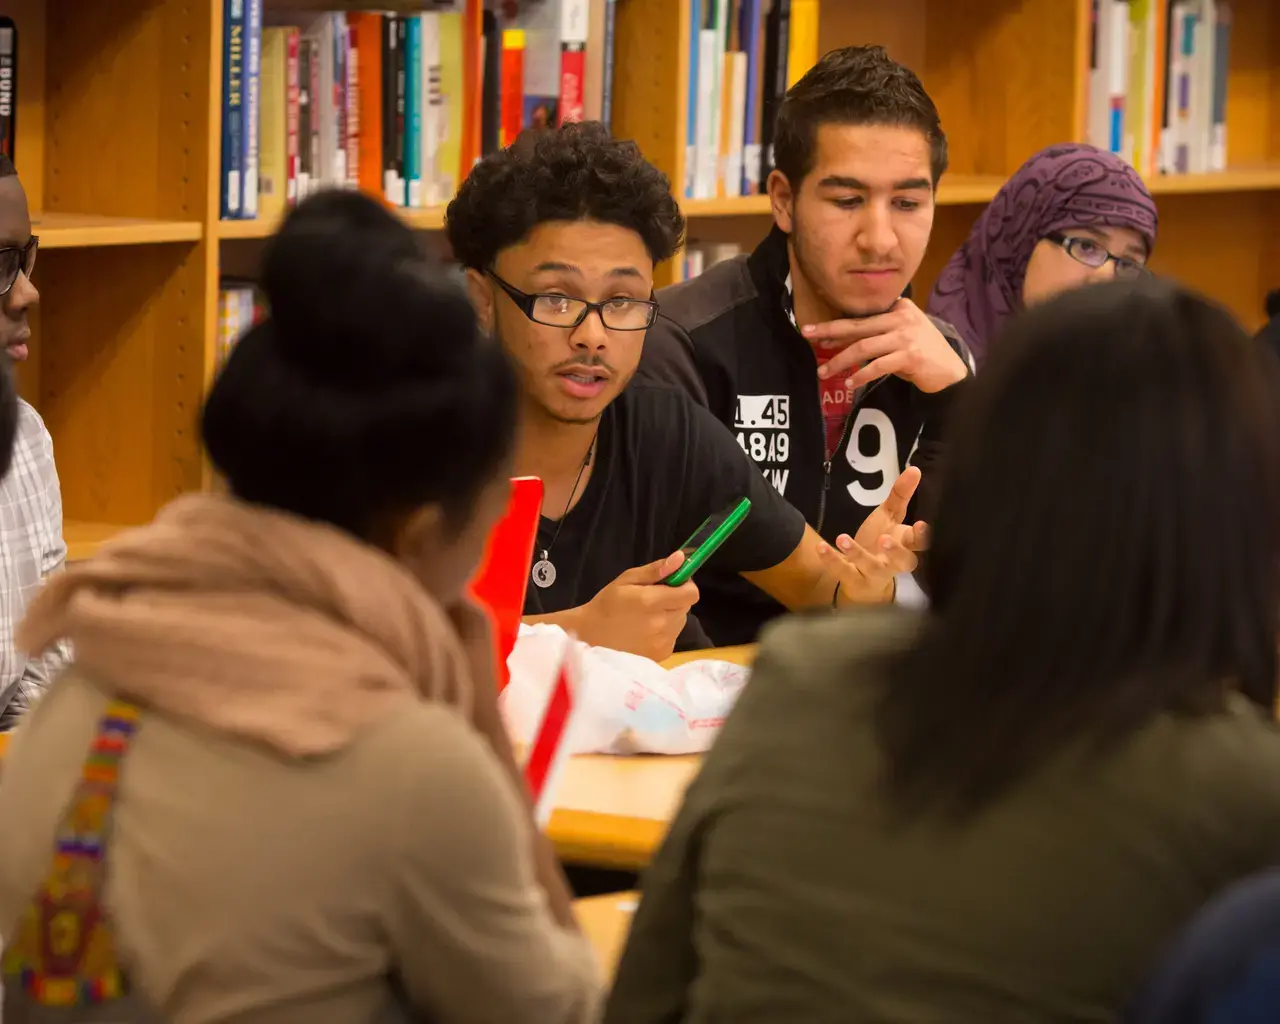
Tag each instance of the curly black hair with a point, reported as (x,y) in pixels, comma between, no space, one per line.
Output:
(857,85)
(575,172)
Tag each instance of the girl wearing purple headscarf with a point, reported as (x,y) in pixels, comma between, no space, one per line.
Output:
(1071,215)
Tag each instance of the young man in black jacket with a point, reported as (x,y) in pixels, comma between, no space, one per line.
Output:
(559,234)
(1270,333)
(832,381)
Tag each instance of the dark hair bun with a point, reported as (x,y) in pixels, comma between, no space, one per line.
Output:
(370,388)
(346,283)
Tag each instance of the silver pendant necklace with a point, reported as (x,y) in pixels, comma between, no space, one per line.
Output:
(544,571)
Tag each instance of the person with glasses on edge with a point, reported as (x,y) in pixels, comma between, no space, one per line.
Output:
(559,235)
(1071,215)
(31,543)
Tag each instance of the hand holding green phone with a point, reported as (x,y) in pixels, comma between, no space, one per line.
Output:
(707,538)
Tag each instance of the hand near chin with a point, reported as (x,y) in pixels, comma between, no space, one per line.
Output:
(902,343)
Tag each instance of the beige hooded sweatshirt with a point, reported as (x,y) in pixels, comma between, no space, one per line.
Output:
(305,811)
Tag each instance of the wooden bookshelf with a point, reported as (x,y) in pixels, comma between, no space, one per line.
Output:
(114,123)
(118,147)
(1009,78)
(430,219)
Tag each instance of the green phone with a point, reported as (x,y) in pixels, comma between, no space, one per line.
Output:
(713,532)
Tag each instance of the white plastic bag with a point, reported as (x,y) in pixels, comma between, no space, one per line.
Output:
(627,704)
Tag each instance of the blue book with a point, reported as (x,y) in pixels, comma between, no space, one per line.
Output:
(233,55)
(691,125)
(413,111)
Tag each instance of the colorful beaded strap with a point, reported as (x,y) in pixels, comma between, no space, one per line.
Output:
(64,954)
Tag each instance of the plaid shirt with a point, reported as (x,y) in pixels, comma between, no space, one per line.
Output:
(31,547)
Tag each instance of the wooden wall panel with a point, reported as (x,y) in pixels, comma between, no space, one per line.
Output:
(651,85)
(1253,87)
(1217,244)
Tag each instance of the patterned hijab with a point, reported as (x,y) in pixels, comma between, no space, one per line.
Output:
(1066,186)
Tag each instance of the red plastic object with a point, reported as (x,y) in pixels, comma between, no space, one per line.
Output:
(503,576)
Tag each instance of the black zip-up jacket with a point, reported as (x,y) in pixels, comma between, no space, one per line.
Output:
(725,337)
(1270,333)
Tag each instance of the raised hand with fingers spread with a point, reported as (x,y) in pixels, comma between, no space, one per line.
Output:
(885,546)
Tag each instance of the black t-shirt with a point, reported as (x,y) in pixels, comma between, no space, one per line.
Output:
(663,464)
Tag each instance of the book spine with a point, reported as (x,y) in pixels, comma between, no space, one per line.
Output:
(341,62)
(433,113)
(8,87)
(232,201)
(292,119)
(606,101)
(573,60)
(252,107)
(390,53)
(351,103)
(413,113)
(402,35)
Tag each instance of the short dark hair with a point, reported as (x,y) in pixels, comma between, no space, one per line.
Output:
(369,390)
(1106,546)
(858,85)
(576,172)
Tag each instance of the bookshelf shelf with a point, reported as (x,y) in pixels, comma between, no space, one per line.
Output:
(956,190)
(84,538)
(969,190)
(75,230)
(431,219)
(1259,179)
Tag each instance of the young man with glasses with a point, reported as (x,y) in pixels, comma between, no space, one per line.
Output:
(559,234)
(31,544)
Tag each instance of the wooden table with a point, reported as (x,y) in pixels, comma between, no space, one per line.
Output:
(606,920)
(611,811)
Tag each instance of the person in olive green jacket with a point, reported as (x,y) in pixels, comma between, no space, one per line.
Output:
(1001,810)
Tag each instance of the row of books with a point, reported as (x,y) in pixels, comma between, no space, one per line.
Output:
(743,56)
(398,104)
(1157,86)
(240,306)
(700,256)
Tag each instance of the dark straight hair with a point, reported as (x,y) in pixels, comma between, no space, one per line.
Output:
(1106,544)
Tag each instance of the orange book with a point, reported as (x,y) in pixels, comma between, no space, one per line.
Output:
(366,41)
(512,86)
(1159,87)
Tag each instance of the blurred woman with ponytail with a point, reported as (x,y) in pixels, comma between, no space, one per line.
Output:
(273,786)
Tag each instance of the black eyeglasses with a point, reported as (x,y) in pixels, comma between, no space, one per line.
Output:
(1091,253)
(15,259)
(566,311)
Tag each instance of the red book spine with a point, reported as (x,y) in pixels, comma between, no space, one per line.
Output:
(573,73)
(512,86)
